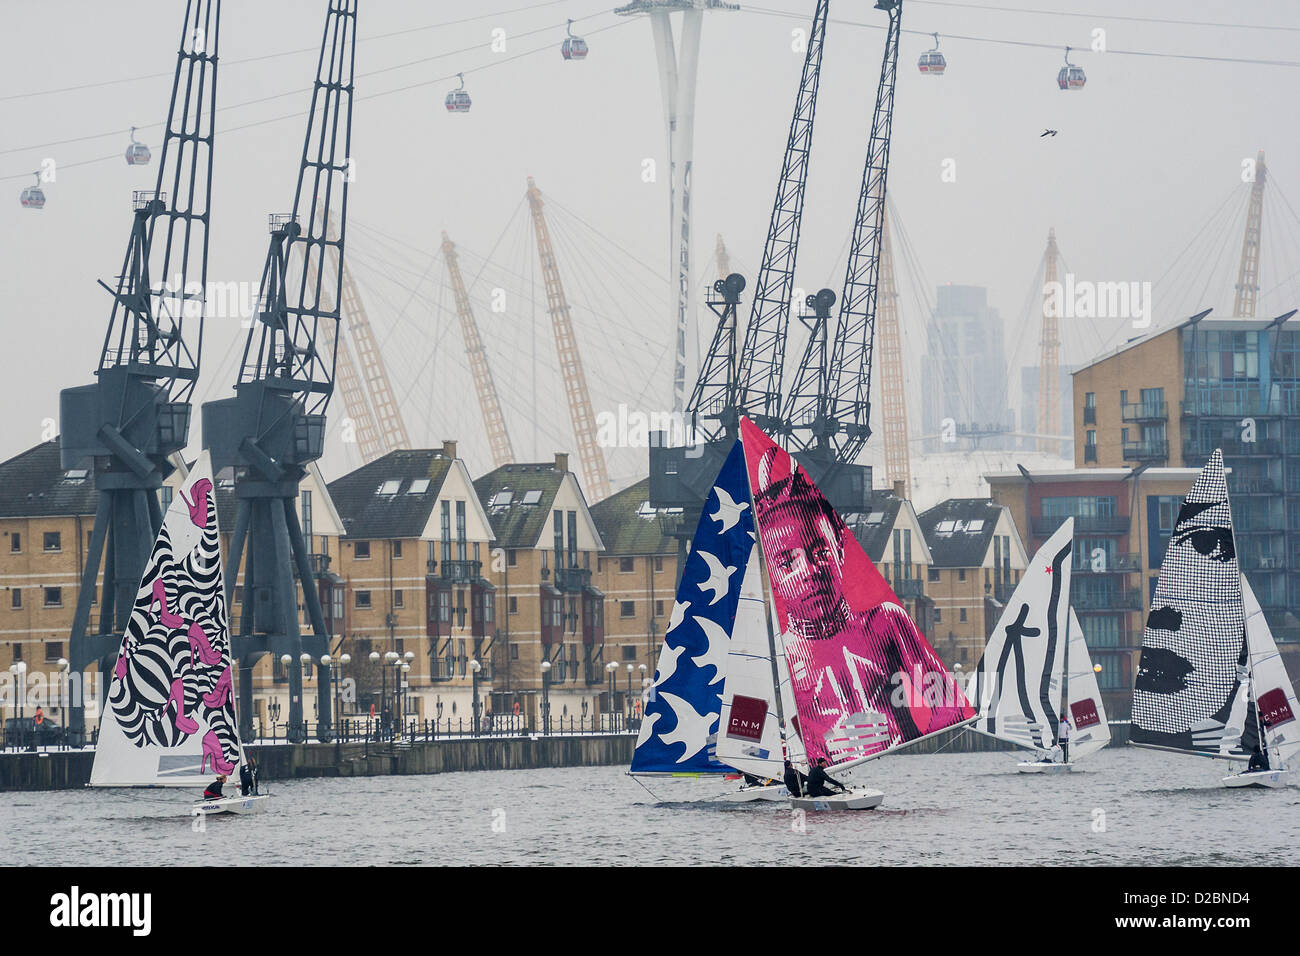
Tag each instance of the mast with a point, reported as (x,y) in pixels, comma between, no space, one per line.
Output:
(1065,684)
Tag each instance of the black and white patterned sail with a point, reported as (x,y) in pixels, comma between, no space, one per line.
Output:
(170,714)
(1194,651)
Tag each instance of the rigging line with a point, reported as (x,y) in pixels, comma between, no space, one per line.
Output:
(1080,48)
(298,116)
(658,799)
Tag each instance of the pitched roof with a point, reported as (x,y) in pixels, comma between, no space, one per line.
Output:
(872,527)
(389,497)
(518,518)
(958,531)
(628,525)
(35,484)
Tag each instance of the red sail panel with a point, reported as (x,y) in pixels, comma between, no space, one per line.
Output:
(865,681)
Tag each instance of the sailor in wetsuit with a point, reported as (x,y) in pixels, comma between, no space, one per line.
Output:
(213,791)
(1258,761)
(795,782)
(248,777)
(818,779)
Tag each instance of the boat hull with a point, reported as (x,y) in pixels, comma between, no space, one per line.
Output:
(253,804)
(858,798)
(1029,767)
(1273,779)
(770,794)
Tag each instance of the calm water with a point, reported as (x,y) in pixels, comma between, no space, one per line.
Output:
(945,808)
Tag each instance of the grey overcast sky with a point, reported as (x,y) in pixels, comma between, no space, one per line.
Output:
(1146,154)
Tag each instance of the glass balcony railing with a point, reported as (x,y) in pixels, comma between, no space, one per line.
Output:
(572,580)
(1151,449)
(1107,564)
(909,589)
(1145,412)
(1096,524)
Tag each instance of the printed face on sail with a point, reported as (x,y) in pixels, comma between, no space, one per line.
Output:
(806,560)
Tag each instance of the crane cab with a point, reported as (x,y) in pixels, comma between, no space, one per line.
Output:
(458,100)
(932,62)
(137,153)
(1070,77)
(33,197)
(574,47)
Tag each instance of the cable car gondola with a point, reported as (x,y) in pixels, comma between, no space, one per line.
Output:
(932,62)
(458,100)
(33,197)
(574,47)
(137,153)
(1071,77)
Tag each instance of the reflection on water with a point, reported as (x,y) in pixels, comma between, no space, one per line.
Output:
(1129,807)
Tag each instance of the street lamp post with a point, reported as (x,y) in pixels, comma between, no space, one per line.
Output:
(18,669)
(63,695)
(402,669)
(286,661)
(627,701)
(546,697)
(474,668)
(611,669)
(304,659)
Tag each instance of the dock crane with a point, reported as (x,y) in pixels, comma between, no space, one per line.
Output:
(274,426)
(136,415)
(595,471)
(494,422)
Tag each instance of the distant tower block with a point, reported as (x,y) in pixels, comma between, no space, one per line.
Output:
(1243,305)
(677,75)
(1049,365)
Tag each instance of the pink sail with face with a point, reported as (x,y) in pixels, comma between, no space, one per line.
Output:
(864,679)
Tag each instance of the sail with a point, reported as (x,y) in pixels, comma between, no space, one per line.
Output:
(1193,661)
(1090,731)
(679,730)
(170,715)
(1275,696)
(749,733)
(864,679)
(1016,686)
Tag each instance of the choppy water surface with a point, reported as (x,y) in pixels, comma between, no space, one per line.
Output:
(1130,807)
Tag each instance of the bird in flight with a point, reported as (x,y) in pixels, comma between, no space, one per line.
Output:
(1047,132)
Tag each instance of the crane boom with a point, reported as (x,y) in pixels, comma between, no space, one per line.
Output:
(1243,305)
(762,357)
(893,389)
(835,420)
(595,471)
(489,402)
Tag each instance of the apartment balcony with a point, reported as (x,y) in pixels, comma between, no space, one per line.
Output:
(1262,562)
(909,589)
(1145,412)
(460,572)
(1236,404)
(1089,454)
(572,580)
(1150,450)
(1293,481)
(1121,599)
(1091,524)
(1089,414)
(1252,486)
(1200,449)
(1257,524)
(1110,564)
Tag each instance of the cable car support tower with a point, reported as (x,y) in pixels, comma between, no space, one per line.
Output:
(137,414)
(274,426)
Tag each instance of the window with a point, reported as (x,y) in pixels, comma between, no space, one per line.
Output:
(629,652)
(461,546)
(514,605)
(399,599)
(961,574)
(397,549)
(53,541)
(627,608)
(626,565)
(165,495)
(532,497)
(16,598)
(938,615)
(512,558)
(460,607)
(963,615)
(361,550)
(18,652)
(659,565)
(932,574)
(1123,397)
(54,597)
(557,528)
(53,651)
(363,599)
(16,543)
(446,531)
(659,608)
(389,488)
(418,487)
(306,515)
(514,652)
(1090,408)
(573,539)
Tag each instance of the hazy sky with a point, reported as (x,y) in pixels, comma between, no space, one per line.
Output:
(1146,154)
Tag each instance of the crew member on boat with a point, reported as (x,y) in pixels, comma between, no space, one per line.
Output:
(1258,760)
(854,666)
(795,782)
(248,777)
(818,781)
(213,790)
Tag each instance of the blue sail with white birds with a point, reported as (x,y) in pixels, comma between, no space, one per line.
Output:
(680,728)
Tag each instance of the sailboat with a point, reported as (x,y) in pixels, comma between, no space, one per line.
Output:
(169,720)
(719,607)
(1210,680)
(852,678)
(1036,669)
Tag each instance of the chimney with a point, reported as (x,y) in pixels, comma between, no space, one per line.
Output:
(561,461)
(448,448)
(900,488)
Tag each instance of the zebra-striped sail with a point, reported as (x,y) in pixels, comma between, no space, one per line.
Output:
(169,719)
